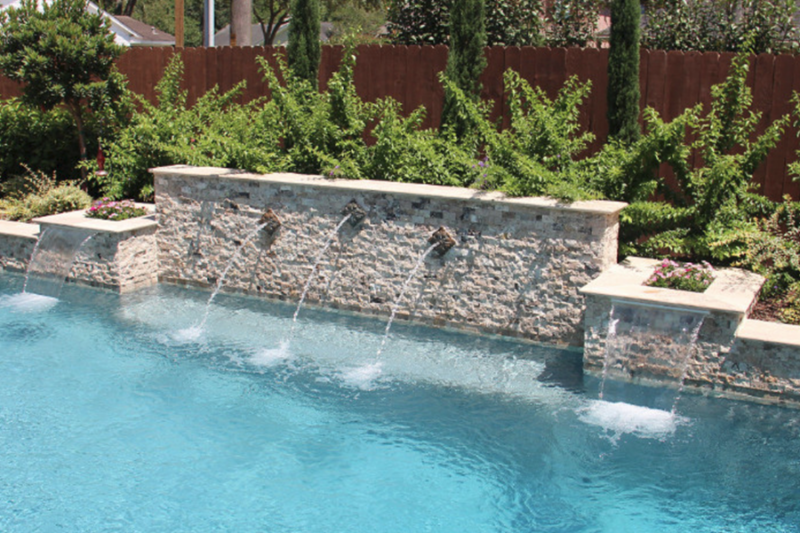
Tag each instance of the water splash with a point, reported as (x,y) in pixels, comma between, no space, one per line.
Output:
(27,302)
(269,357)
(317,260)
(399,299)
(619,418)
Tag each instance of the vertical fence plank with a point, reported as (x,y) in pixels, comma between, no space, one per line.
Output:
(434,64)
(780,106)
(513,60)
(591,57)
(790,186)
(492,80)
(364,71)
(329,63)
(762,102)
(212,75)
(400,70)
(656,80)
(600,89)
(577,66)
(194,73)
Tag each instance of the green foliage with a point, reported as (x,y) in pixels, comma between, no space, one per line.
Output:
(535,155)
(363,22)
(44,140)
(63,55)
(770,246)
(320,131)
(572,22)
(426,22)
(40,195)
(722,25)
(709,199)
(215,131)
(304,51)
(623,71)
(465,61)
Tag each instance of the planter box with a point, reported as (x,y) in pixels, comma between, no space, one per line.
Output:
(121,255)
(722,350)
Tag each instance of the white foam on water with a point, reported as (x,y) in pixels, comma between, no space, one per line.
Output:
(26,302)
(187,335)
(618,419)
(362,377)
(347,356)
(268,357)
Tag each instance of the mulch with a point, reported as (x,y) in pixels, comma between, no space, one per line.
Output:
(767,310)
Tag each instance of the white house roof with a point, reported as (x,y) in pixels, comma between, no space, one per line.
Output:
(223,36)
(127,31)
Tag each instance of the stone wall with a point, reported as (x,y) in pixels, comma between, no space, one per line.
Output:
(726,354)
(515,269)
(17,241)
(122,256)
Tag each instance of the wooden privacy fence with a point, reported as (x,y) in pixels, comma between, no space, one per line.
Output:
(669,82)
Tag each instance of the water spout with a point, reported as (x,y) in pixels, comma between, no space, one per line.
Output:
(355,212)
(442,241)
(52,259)
(269,222)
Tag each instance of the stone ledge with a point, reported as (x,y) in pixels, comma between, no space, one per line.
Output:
(23,230)
(733,291)
(600,207)
(771,332)
(79,220)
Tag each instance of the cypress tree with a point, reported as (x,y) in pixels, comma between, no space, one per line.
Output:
(304,50)
(623,71)
(465,61)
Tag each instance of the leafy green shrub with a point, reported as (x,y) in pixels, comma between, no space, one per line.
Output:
(215,131)
(769,246)
(108,209)
(40,195)
(790,313)
(426,22)
(709,199)
(722,26)
(63,54)
(319,131)
(42,140)
(572,22)
(682,277)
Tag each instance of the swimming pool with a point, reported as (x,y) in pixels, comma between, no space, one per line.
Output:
(116,414)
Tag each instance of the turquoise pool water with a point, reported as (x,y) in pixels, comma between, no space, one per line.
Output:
(116,414)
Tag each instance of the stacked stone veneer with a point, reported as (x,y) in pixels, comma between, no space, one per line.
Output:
(516,268)
(122,256)
(732,355)
(17,241)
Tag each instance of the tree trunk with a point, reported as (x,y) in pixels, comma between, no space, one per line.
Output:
(75,110)
(241,25)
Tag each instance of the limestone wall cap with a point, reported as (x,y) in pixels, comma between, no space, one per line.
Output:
(733,290)
(601,207)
